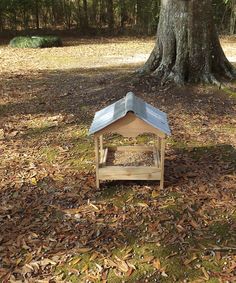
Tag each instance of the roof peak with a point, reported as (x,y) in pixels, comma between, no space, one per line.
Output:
(130,103)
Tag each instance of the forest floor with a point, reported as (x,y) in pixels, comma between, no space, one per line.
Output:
(55,226)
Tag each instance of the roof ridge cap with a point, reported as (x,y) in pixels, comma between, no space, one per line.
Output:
(129,101)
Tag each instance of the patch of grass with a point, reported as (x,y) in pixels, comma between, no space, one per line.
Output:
(177,144)
(145,139)
(227,129)
(34,132)
(49,153)
(212,265)
(213,280)
(36,42)
(82,154)
(220,230)
(229,91)
(116,195)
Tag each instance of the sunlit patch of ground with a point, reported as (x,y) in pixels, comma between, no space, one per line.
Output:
(56,226)
(87,54)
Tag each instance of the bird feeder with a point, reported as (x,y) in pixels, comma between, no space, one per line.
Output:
(130,117)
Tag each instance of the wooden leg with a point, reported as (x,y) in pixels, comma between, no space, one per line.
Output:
(159,144)
(162,163)
(97,162)
(101,144)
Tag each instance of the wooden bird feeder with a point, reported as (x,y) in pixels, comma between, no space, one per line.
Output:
(130,117)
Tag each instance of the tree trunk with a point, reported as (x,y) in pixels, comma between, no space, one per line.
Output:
(233,17)
(143,16)
(187,47)
(1,21)
(123,14)
(110,15)
(37,14)
(95,12)
(85,8)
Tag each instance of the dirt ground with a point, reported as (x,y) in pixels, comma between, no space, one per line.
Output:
(56,227)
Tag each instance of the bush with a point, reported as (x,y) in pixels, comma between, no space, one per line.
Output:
(36,42)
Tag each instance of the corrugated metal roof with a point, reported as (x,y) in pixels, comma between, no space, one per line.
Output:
(130,103)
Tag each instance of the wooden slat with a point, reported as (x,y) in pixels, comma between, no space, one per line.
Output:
(129,173)
(155,156)
(101,144)
(162,163)
(103,158)
(97,161)
(133,148)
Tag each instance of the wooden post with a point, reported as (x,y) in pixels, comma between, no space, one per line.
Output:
(101,144)
(162,163)
(159,144)
(97,161)
(158,150)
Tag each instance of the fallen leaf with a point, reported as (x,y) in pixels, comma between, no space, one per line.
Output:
(157,264)
(205,273)
(147,259)
(33,181)
(83,250)
(155,194)
(122,265)
(188,261)
(93,256)
(142,204)
(85,268)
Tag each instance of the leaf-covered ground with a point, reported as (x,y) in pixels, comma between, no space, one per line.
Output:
(56,227)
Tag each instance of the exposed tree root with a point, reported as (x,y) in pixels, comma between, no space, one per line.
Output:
(165,74)
(210,78)
(187,50)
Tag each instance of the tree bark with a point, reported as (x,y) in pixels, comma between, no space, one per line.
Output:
(37,14)
(85,8)
(187,48)
(233,17)
(110,15)
(123,14)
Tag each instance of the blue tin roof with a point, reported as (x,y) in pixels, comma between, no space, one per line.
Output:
(130,103)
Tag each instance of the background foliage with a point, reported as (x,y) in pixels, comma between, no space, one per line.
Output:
(97,16)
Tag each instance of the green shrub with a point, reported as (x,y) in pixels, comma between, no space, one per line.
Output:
(36,42)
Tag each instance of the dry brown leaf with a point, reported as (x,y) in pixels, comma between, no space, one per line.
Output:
(29,258)
(110,263)
(129,272)
(155,194)
(122,265)
(147,259)
(218,256)
(194,224)
(75,261)
(142,204)
(47,261)
(93,256)
(157,264)
(188,261)
(83,250)
(85,268)
(205,273)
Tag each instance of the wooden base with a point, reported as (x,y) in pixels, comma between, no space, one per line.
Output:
(129,173)
(154,172)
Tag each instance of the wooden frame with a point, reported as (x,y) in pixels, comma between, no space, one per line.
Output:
(154,172)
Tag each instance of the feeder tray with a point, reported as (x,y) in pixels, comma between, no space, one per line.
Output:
(129,158)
